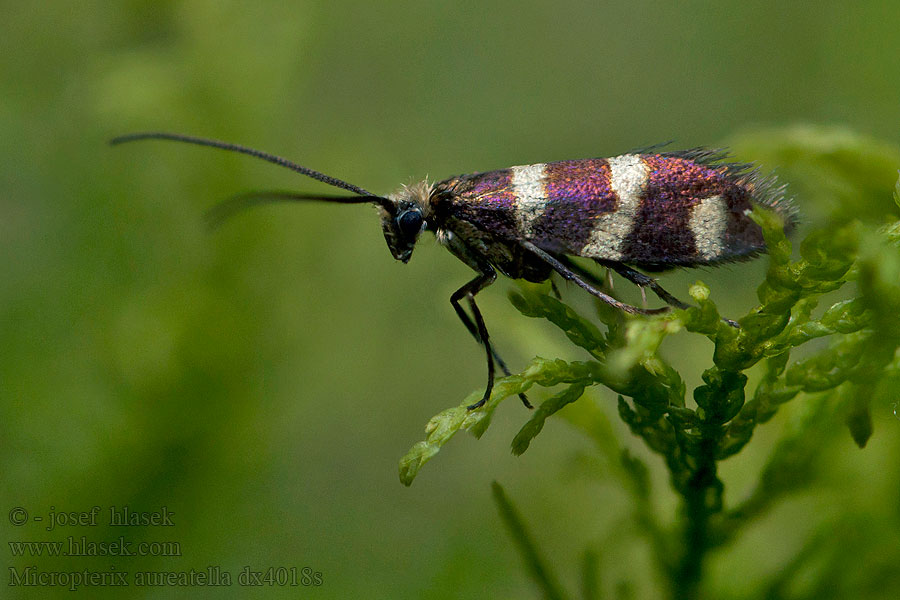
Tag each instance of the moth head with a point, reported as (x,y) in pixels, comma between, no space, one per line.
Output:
(405,218)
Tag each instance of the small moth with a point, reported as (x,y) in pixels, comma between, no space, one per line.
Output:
(648,209)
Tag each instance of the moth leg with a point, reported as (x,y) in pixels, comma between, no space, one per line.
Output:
(487,275)
(592,278)
(468,291)
(474,331)
(641,280)
(576,278)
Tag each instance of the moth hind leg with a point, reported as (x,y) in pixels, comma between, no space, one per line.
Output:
(644,281)
(585,280)
(641,280)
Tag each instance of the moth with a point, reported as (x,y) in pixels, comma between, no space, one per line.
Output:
(649,210)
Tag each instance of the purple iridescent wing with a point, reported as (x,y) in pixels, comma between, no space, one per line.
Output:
(652,210)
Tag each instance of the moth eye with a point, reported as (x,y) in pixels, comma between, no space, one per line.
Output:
(410,222)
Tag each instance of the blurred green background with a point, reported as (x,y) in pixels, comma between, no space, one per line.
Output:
(262,382)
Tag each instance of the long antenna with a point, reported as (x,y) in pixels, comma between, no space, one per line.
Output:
(283,162)
(226,209)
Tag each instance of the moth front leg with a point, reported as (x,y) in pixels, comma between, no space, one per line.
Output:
(486,277)
(470,326)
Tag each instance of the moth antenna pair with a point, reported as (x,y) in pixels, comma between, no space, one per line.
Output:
(361,196)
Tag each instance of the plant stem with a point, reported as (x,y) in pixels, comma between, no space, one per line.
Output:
(702,496)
